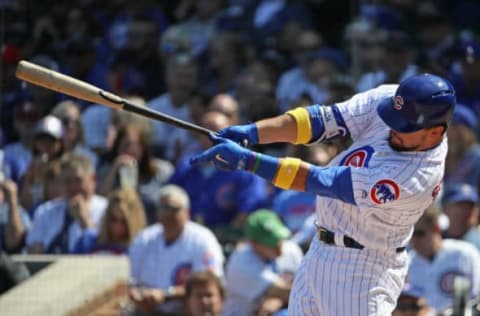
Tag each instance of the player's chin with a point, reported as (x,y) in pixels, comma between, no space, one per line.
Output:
(400,147)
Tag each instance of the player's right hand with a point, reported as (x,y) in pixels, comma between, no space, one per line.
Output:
(245,135)
(225,155)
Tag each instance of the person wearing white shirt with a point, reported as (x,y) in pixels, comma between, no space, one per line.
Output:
(259,273)
(436,263)
(181,77)
(164,255)
(58,223)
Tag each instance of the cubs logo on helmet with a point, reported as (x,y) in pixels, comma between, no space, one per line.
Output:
(384,191)
(398,102)
(358,157)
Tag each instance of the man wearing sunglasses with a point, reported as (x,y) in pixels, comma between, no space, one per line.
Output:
(437,262)
(164,255)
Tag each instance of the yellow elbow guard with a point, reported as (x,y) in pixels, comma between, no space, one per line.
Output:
(304,128)
(286,173)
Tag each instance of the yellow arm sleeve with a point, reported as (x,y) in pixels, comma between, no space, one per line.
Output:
(304,127)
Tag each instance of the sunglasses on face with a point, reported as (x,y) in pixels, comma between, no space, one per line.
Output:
(169,209)
(67,121)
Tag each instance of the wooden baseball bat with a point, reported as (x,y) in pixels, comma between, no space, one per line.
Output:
(56,81)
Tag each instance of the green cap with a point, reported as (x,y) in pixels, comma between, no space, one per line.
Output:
(265,227)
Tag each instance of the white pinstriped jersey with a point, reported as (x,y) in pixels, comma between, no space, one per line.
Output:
(391,188)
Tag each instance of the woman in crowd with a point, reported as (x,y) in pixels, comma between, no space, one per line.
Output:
(47,147)
(123,219)
(69,114)
(131,164)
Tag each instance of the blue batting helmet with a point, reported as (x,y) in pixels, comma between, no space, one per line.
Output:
(420,101)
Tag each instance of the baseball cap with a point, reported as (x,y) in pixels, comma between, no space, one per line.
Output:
(265,227)
(461,192)
(49,125)
(465,116)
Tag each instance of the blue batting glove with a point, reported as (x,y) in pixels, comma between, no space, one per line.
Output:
(245,135)
(225,155)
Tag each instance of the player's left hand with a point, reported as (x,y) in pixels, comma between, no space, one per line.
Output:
(225,154)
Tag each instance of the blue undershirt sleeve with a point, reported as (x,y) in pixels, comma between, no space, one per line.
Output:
(332,182)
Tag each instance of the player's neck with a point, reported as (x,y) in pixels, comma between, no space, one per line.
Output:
(430,144)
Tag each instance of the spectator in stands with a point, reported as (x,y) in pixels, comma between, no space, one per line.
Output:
(310,77)
(68,112)
(14,220)
(181,78)
(435,263)
(204,294)
(227,105)
(123,219)
(398,62)
(218,198)
(308,40)
(366,49)
(175,246)
(437,41)
(47,146)
(460,204)
(130,164)
(80,61)
(255,95)
(226,58)
(200,26)
(259,273)
(466,77)
(26,116)
(142,59)
(412,302)
(463,158)
(59,223)
(98,129)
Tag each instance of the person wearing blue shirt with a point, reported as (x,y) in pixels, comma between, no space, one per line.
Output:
(218,197)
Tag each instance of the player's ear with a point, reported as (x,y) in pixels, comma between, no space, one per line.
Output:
(437,131)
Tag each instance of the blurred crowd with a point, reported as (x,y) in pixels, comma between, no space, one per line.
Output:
(80,178)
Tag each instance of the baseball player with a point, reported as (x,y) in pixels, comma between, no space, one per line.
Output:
(369,196)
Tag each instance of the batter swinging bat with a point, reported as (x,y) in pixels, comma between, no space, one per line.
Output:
(56,81)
